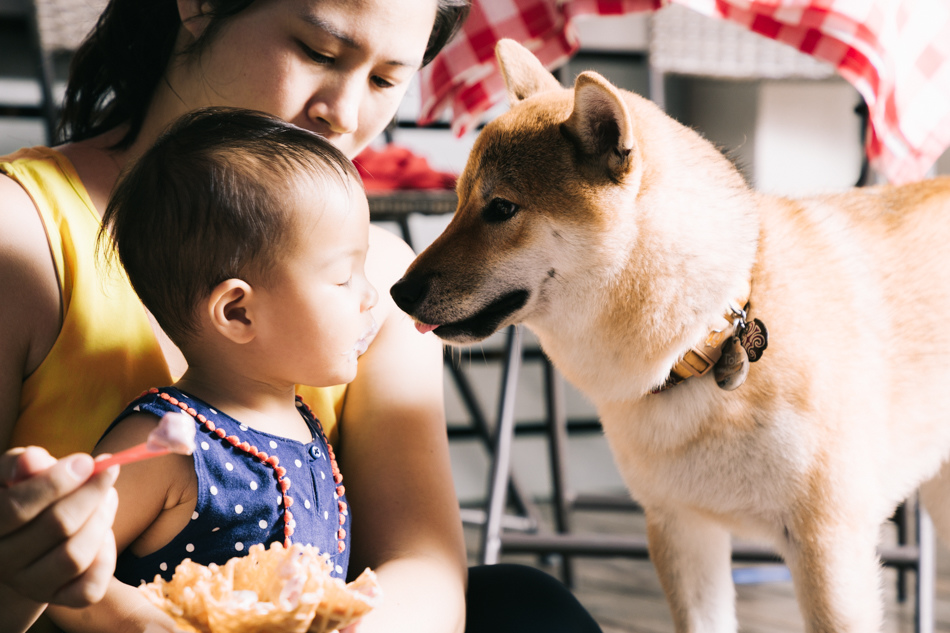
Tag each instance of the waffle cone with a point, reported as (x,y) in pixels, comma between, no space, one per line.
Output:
(275,590)
(344,604)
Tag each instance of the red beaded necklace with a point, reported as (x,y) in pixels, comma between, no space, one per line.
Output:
(271,460)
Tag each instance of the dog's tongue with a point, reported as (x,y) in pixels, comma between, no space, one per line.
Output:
(425,327)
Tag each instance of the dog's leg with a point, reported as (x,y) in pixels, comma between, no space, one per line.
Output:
(836,572)
(692,558)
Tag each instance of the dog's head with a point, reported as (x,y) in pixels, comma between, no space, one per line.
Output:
(551,206)
(527,203)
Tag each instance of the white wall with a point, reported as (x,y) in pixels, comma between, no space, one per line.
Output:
(807,137)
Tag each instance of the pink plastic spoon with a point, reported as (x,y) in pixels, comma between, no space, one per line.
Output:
(175,433)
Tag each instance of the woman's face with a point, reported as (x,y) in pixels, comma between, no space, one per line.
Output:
(337,67)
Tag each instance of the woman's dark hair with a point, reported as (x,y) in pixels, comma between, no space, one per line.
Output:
(116,70)
(211,201)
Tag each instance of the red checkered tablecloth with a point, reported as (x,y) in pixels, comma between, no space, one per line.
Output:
(895,52)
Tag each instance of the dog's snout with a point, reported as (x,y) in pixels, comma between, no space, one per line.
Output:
(409,292)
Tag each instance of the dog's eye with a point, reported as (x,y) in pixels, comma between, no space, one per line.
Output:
(499,210)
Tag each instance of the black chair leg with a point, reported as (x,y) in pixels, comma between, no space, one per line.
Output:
(900,522)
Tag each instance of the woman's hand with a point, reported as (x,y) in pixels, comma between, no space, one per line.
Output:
(56,540)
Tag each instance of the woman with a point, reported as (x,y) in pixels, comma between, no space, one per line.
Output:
(336,67)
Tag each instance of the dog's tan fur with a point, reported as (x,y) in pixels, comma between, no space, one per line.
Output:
(631,236)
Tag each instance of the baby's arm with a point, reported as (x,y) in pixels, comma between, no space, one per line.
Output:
(147,491)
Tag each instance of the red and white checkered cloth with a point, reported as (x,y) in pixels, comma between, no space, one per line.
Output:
(895,52)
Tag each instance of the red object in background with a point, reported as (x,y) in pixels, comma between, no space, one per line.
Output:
(397,168)
(896,53)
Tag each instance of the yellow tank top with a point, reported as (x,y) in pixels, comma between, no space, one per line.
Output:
(106,353)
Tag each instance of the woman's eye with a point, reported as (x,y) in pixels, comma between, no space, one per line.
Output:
(382,83)
(320,58)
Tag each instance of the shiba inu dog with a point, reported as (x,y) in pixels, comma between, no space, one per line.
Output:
(652,275)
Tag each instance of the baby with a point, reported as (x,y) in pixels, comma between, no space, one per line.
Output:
(245,237)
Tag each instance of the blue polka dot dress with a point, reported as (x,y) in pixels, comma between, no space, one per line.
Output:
(253,487)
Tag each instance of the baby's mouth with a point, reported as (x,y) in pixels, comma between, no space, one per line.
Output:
(363,343)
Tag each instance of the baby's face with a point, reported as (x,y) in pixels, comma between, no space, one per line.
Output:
(317,318)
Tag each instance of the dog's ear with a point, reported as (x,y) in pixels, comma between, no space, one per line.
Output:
(524,75)
(601,124)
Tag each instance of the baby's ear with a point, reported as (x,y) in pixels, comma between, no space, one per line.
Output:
(228,307)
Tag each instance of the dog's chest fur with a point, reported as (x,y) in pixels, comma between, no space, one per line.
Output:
(848,366)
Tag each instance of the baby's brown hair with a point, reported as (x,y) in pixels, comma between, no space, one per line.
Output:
(207,202)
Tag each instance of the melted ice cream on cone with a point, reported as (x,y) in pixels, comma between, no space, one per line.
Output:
(286,590)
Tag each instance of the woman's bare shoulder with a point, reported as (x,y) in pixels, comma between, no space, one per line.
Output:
(29,295)
(388,252)
(28,278)
(15,198)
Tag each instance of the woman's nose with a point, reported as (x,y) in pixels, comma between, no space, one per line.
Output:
(338,105)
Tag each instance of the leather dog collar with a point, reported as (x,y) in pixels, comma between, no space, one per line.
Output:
(701,358)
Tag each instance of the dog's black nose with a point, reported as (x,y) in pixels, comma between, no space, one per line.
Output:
(409,292)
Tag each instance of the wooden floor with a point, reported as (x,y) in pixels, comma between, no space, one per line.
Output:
(624,595)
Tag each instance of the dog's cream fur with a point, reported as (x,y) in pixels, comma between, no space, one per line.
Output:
(630,237)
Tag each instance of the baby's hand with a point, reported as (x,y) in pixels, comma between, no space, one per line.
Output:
(56,540)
